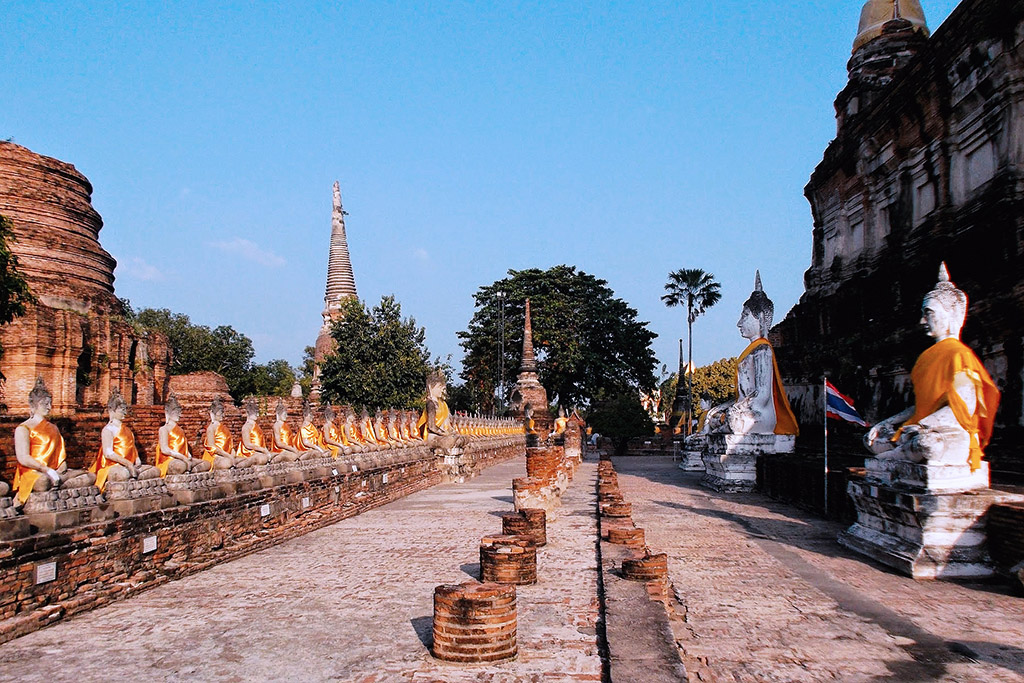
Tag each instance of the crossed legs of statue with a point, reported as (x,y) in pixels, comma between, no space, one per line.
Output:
(180,467)
(69,479)
(121,473)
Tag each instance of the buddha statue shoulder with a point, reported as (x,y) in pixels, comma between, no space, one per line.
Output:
(955,399)
(118,458)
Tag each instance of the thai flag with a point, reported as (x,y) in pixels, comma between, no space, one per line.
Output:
(840,407)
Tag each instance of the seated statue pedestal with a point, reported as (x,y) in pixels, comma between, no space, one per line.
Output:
(926,520)
(63,508)
(691,450)
(194,487)
(455,465)
(13,524)
(137,495)
(730,460)
(237,480)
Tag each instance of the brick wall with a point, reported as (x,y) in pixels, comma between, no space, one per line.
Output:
(99,563)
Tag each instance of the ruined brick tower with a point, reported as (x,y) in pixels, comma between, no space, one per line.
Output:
(76,336)
(341,284)
(528,387)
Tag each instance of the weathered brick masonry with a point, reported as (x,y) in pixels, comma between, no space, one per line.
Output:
(99,563)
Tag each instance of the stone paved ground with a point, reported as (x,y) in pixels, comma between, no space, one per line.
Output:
(764,593)
(351,602)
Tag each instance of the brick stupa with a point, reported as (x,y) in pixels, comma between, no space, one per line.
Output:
(529,390)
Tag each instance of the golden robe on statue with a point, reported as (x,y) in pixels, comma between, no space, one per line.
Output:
(933,375)
(785,421)
(255,438)
(124,446)
(440,416)
(46,445)
(222,440)
(177,442)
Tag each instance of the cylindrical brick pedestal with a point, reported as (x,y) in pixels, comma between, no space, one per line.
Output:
(508,559)
(529,522)
(604,489)
(475,622)
(628,536)
(646,568)
(617,509)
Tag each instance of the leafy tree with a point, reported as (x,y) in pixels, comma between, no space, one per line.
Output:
(620,417)
(587,341)
(381,359)
(275,378)
(698,291)
(196,347)
(14,291)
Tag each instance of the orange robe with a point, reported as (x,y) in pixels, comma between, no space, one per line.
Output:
(222,440)
(255,438)
(336,435)
(933,375)
(440,416)
(310,433)
(124,446)
(46,445)
(284,435)
(785,421)
(177,442)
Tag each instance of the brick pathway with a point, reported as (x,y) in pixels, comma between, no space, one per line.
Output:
(351,602)
(764,593)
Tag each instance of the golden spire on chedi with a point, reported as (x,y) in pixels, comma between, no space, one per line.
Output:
(877,13)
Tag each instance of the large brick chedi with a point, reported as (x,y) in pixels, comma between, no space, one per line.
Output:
(75,337)
(927,166)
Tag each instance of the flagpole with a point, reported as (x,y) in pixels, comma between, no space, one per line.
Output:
(824,396)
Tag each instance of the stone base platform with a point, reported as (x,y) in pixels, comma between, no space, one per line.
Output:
(194,487)
(930,476)
(924,534)
(135,496)
(64,508)
(730,460)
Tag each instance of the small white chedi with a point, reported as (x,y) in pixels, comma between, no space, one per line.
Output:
(760,420)
(922,504)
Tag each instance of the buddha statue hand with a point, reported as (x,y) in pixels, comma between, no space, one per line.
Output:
(879,439)
(739,417)
(53,475)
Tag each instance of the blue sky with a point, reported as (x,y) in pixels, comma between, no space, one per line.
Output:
(627,138)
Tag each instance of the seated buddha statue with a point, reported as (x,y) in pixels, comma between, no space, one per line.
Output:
(528,422)
(218,445)
(332,435)
(252,443)
(39,449)
(380,431)
(283,439)
(761,406)
(367,434)
(434,425)
(955,399)
(395,431)
(409,428)
(118,458)
(560,423)
(307,439)
(172,454)
(350,432)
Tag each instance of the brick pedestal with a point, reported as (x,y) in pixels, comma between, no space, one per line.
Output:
(508,560)
(647,567)
(529,522)
(629,536)
(617,509)
(475,622)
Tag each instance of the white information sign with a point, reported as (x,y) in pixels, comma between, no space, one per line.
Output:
(264,510)
(148,544)
(45,573)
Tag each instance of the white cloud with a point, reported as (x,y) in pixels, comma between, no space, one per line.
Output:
(140,269)
(250,251)
(421,254)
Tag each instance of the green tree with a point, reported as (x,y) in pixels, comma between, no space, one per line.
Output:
(14,291)
(275,378)
(381,359)
(697,291)
(587,341)
(196,347)
(620,417)
(715,382)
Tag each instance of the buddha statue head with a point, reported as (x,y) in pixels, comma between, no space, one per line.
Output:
(172,409)
(758,311)
(944,309)
(216,410)
(117,407)
(307,412)
(364,416)
(252,409)
(328,413)
(40,401)
(281,411)
(435,386)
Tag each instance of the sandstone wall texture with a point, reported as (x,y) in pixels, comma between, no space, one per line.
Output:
(927,166)
(76,337)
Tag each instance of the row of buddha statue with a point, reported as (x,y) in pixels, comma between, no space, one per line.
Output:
(42,460)
(955,398)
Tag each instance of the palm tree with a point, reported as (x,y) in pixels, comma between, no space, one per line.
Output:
(698,291)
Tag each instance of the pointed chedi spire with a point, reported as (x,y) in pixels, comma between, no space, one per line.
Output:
(529,360)
(341,282)
(757,281)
